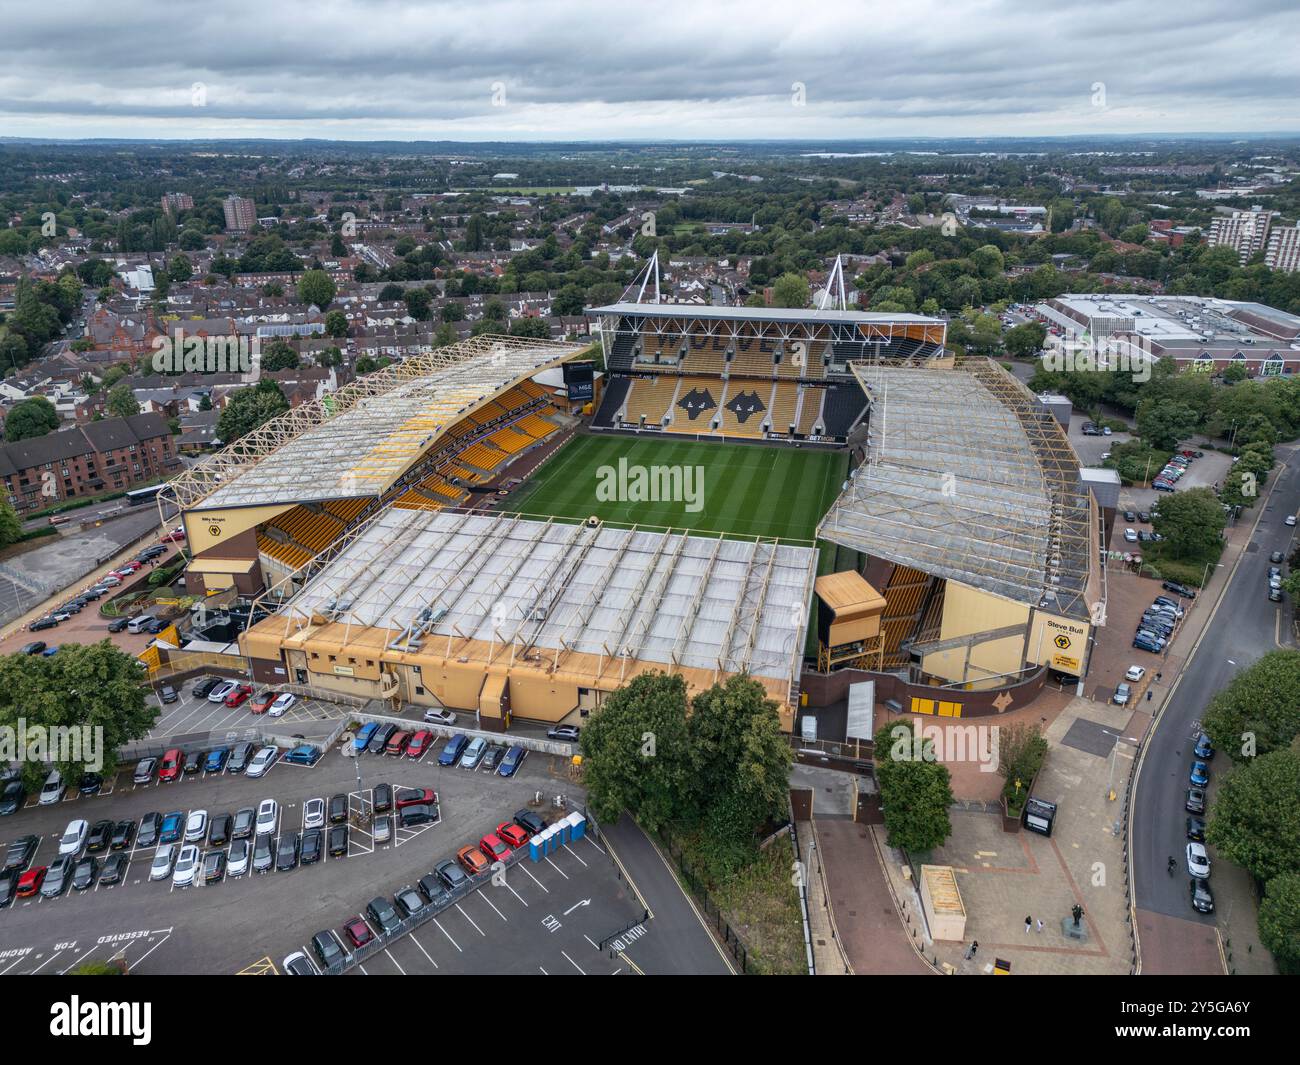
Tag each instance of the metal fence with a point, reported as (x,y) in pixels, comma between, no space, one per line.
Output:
(803,895)
(730,938)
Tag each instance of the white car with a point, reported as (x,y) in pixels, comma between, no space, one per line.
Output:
(52,790)
(241,851)
(73,838)
(1135,673)
(219,693)
(281,704)
(262,761)
(1122,693)
(1290,520)
(1198,862)
(162,862)
(196,826)
(313,813)
(1131,536)
(187,865)
(439,717)
(268,817)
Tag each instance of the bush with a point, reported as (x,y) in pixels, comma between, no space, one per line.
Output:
(1136,461)
(1168,569)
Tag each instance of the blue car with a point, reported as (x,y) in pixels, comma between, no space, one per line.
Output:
(1143,644)
(303,754)
(512,760)
(1204,749)
(215,762)
(50,652)
(1200,774)
(172,825)
(362,740)
(452,752)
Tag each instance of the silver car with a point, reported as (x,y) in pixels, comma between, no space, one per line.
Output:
(196,827)
(473,753)
(144,770)
(1122,693)
(162,862)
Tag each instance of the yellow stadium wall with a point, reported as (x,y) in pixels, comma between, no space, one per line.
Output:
(967,610)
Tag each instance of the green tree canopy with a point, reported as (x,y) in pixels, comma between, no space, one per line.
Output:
(1279,921)
(29,418)
(247,408)
(1191,522)
(1259,711)
(1255,819)
(791,290)
(915,791)
(316,287)
(122,402)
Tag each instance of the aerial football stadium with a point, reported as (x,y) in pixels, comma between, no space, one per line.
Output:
(516,528)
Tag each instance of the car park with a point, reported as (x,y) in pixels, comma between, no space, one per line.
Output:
(384,914)
(358,932)
(238,857)
(58,877)
(150,826)
(1201,895)
(163,857)
(173,824)
(1198,862)
(453,749)
(187,866)
(263,854)
(52,790)
(239,757)
(100,836)
(113,871)
(473,753)
(85,873)
(123,835)
(312,844)
(338,841)
(144,770)
(327,949)
(513,759)
(74,837)
(262,762)
(338,809)
(170,766)
(196,826)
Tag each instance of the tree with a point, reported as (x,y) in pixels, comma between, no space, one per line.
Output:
(635,751)
(567,302)
(180,269)
(530,327)
(1025,340)
(122,402)
(13,351)
(1192,524)
(790,290)
(1163,425)
(330,356)
(1279,921)
(1255,820)
(279,356)
(417,304)
(915,789)
(1259,711)
(31,418)
(85,686)
(336,324)
(247,408)
(10,527)
(316,288)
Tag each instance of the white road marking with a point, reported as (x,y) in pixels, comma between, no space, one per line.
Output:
(471,921)
(444,932)
(573,963)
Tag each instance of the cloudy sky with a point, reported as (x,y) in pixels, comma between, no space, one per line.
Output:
(697,69)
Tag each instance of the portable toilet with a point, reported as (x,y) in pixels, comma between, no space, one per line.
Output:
(562,829)
(537,847)
(552,839)
(579,828)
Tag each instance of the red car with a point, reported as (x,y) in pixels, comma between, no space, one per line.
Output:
(512,834)
(397,742)
(263,702)
(472,861)
(30,882)
(170,766)
(173,537)
(358,932)
(419,743)
(493,849)
(239,695)
(416,797)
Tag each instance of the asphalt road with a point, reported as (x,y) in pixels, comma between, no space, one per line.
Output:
(1245,626)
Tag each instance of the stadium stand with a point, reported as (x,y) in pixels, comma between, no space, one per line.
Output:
(612,402)
(783,407)
(810,410)
(651,397)
(844,405)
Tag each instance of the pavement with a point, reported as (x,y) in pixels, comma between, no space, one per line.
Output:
(1239,628)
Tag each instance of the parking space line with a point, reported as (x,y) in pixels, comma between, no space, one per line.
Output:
(557,868)
(45,963)
(484,897)
(534,879)
(471,921)
(394,961)
(17,961)
(445,933)
(594,843)
(573,963)
(567,848)
(514,892)
(421,949)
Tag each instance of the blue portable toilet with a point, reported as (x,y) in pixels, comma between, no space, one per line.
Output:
(552,839)
(579,826)
(537,847)
(562,828)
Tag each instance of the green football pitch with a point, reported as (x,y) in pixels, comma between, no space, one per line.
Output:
(733,489)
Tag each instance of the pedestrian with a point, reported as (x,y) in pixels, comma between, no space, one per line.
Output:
(1040,925)
(970,951)
(1148,696)
(1029,923)
(1158,676)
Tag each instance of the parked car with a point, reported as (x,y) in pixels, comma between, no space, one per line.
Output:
(409,901)
(163,859)
(52,790)
(529,821)
(1204,749)
(419,743)
(1196,829)
(123,835)
(473,753)
(303,754)
(1130,535)
(214,867)
(240,754)
(1199,776)
(411,816)
(453,749)
(381,831)
(1198,862)
(286,852)
(364,735)
(223,688)
(74,837)
(263,854)
(434,889)
(566,733)
(1276,556)
(85,873)
(1195,801)
(1122,693)
(144,770)
(380,738)
(338,809)
(31,881)
(494,848)
(1290,521)
(20,852)
(312,843)
(219,830)
(203,688)
(384,914)
(313,813)
(382,799)
(280,704)
(113,871)
(58,877)
(245,819)
(472,860)
(150,825)
(268,816)
(100,836)
(358,932)
(1201,895)
(170,766)
(438,716)
(173,824)
(397,742)
(262,762)
(187,866)
(11,799)
(492,756)
(215,760)
(512,834)
(263,702)
(118,624)
(167,694)
(298,964)
(513,759)
(238,695)
(196,826)
(238,858)
(327,949)
(415,797)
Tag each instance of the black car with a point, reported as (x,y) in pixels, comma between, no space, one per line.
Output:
(20,852)
(451,874)
(380,739)
(286,854)
(338,841)
(492,756)
(153,628)
(219,830)
(8,888)
(214,866)
(312,841)
(194,761)
(1196,830)
(529,821)
(150,823)
(1195,802)
(239,756)
(1180,590)
(85,873)
(409,901)
(118,624)
(167,694)
(100,836)
(58,876)
(327,949)
(338,809)
(383,798)
(90,783)
(245,821)
(1130,515)
(382,913)
(410,816)
(123,835)
(11,799)
(1202,896)
(263,853)
(434,889)
(113,870)
(203,688)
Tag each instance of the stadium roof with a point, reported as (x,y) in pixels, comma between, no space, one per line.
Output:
(601,599)
(358,440)
(766,314)
(968,478)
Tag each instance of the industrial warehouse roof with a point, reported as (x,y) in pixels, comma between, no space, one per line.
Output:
(358,440)
(502,589)
(968,478)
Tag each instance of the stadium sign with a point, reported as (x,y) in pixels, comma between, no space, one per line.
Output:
(1058,642)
